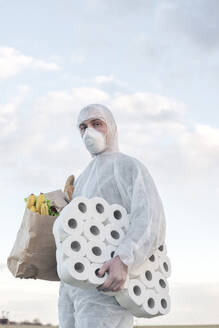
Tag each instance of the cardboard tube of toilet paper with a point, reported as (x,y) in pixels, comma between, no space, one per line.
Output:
(148,277)
(93,278)
(110,250)
(161,283)
(151,303)
(118,215)
(96,251)
(74,245)
(113,234)
(164,303)
(136,272)
(165,266)
(154,260)
(162,250)
(75,271)
(150,306)
(70,225)
(99,209)
(93,230)
(133,296)
(81,208)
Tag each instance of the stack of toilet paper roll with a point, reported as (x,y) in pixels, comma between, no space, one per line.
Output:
(87,233)
(148,289)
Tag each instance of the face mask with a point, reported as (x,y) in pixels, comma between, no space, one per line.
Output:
(94,141)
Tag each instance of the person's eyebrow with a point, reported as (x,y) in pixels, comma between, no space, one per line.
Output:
(96,119)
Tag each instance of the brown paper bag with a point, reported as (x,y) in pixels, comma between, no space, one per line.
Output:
(34,252)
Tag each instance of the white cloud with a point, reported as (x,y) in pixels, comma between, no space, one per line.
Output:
(147,106)
(151,127)
(9,117)
(13,62)
(101,80)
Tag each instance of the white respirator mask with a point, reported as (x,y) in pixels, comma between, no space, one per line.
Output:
(94,140)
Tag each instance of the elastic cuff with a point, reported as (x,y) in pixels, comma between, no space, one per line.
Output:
(124,259)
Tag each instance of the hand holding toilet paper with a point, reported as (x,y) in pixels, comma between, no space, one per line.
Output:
(87,234)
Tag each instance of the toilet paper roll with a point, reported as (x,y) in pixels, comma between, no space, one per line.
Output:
(161,283)
(93,278)
(164,303)
(70,225)
(59,259)
(153,260)
(99,209)
(110,250)
(81,208)
(118,215)
(74,245)
(113,234)
(136,272)
(151,303)
(132,296)
(165,266)
(162,250)
(148,277)
(93,230)
(75,271)
(150,306)
(96,251)
(56,231)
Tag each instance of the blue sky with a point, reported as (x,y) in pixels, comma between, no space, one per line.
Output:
(155,65)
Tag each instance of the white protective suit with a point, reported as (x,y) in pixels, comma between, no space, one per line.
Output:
(124,180)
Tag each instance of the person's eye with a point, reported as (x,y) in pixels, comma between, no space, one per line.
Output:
(97,123)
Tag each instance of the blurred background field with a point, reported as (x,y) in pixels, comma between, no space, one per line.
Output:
(26,326)
(171,326)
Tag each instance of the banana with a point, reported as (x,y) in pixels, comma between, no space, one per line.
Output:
(40,200)
(44,209)
(31,200)
(33,208)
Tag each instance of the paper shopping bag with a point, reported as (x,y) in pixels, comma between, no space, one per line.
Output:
(34,252)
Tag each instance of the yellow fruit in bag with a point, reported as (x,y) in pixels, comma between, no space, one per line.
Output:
(44,209)
(31,200)
(41,205)
(40,200)
(33,208)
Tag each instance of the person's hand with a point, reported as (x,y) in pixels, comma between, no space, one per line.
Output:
(117,275)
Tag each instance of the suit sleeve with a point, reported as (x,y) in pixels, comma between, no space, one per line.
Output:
(147,227)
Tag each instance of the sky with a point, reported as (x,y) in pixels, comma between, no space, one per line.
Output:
(155,64)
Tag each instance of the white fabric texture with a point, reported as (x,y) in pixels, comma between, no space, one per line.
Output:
(124,180)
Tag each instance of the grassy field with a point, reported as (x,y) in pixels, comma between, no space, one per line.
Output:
(25,326)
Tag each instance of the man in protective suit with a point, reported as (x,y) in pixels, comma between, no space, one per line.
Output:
(124,180)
